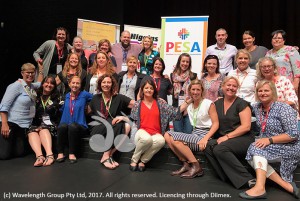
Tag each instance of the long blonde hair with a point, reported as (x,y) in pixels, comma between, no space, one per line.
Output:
(109,65)
(67,66)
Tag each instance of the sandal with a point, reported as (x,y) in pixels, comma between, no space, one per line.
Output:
(114,162)
(108,160)
(49,158)
(39,161)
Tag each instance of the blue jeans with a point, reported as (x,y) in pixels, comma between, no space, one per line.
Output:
(183,125)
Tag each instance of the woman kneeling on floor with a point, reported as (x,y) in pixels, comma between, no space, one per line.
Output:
(152,116)
(278,142)
(44,123)
(204,119)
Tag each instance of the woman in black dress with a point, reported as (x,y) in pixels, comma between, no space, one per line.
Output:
(46,118)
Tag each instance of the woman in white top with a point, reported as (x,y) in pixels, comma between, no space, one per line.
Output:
(246,76)
(101,66)
(203,117)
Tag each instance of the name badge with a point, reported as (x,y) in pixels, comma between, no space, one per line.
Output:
(58,68)
(46,120)
(124,67)
(180,100)
(144,72)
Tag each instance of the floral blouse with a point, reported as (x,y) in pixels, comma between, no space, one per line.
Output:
(287,60)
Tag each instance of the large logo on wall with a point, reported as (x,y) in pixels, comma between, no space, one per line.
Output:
(191,47)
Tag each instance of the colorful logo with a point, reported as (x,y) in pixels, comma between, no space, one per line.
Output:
(183,33)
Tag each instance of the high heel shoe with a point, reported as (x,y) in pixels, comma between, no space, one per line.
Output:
(183,169)
(195,171)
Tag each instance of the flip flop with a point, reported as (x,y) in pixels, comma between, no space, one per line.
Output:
(108,160)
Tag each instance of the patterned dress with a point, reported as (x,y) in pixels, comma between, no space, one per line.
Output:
(281,119)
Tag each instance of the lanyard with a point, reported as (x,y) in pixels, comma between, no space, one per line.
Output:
(128,84)
(59,51)
(44,104)
(145,59)
(157,84)
(107,106)
(237,74)
(264,121)
(195,114)
(72,104)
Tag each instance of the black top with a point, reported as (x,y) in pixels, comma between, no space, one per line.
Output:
(55,60)
(231,120)
(119,103)
(51,109)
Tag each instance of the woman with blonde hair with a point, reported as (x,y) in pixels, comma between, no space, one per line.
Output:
(203,116)
(101,66)
(72,67)
(147,55)
(278,141)
(267,69)
(231,141)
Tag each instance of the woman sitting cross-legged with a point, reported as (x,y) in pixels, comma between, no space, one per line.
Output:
(44,123)
(278,142)
(152,116)
(110,105)
(203,116)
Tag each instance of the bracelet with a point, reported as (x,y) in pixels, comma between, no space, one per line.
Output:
(227,136)
(271,140)
(41,72)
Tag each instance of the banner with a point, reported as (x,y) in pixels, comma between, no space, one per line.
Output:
(138,33)
(92,32)
(184,35)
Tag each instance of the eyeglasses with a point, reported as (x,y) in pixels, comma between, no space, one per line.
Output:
(29,73)
(278,38)
(266,67)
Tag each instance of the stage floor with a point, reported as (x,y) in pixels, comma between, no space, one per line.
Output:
(88,180)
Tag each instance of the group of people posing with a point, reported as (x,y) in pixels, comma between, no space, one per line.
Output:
(241,114)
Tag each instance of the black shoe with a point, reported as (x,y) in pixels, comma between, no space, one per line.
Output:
(72,161)
(295,190)
(141,168)
(244,195)
(60,160)
(133,168)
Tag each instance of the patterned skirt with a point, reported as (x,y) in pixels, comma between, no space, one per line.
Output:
(190,140)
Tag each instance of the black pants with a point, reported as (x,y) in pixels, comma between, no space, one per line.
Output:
(16,144)
(69,135)
(226,159)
